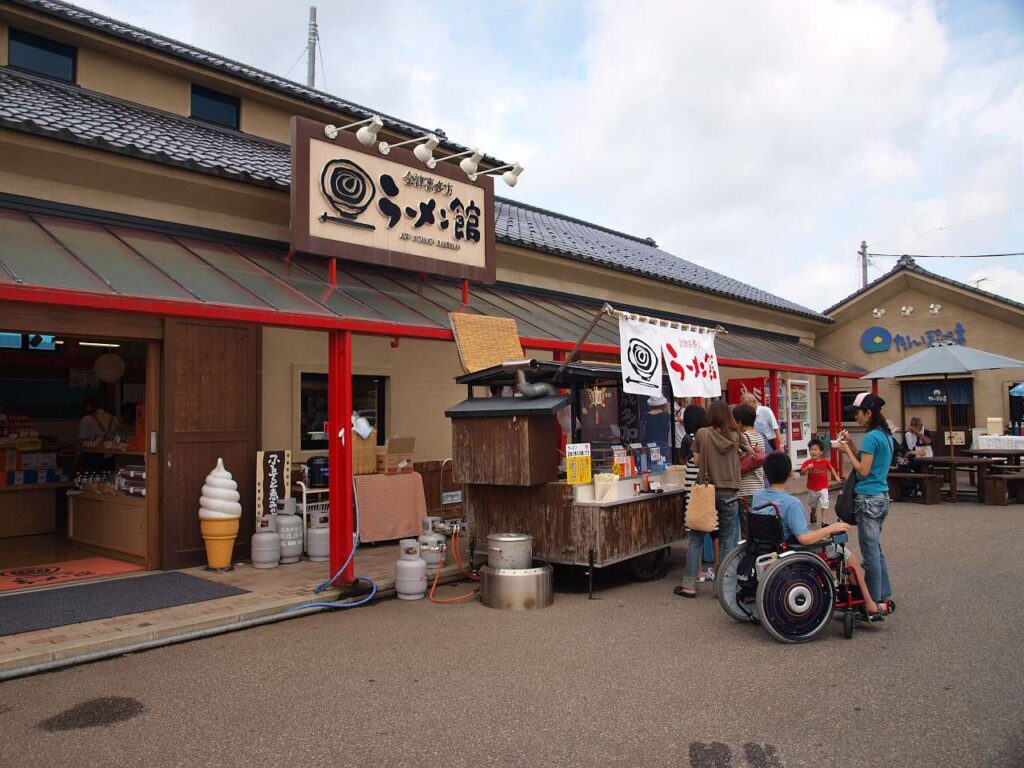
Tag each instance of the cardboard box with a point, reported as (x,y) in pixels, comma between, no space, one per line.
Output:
(38,460)
(396,456)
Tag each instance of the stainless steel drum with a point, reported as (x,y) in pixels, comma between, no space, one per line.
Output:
(520,589)
(509,550)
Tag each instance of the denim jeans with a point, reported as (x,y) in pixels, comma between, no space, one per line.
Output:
(727,504)
(871,511)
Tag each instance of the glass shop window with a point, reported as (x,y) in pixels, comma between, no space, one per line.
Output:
(847,399)
(368,399)
(214,107)
(32,53)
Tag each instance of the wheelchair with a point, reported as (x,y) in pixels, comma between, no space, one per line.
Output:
(790,589)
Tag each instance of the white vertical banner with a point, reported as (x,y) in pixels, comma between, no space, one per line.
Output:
(640,356)
(692,363)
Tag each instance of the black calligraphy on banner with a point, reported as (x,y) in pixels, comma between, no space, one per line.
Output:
(273,480)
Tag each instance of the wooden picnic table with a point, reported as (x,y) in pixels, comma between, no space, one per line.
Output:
(1011,455)
(955,463)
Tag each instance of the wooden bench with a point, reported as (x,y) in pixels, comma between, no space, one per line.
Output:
(930,486)
(998,486)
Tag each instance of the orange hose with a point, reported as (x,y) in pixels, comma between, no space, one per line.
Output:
(440,566)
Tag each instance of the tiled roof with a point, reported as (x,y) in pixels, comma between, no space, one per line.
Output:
(83,17)
(66,112)
(907,264)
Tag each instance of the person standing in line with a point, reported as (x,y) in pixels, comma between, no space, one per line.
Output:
(871,493)
(764,421)
(694,417)
(751,481)
(718,447)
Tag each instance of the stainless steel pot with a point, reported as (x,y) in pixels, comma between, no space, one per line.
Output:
(509,550)
(522,589)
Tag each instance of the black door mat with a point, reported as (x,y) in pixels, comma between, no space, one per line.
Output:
(29,611)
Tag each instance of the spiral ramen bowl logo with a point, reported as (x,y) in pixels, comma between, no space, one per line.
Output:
(348,189)
(642,358)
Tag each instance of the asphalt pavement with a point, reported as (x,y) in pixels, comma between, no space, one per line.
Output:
(638,677)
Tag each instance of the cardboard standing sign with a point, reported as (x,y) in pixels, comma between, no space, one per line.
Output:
(640,356)
(577,464)
(273,480)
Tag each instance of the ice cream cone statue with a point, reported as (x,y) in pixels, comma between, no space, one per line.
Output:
(219,512)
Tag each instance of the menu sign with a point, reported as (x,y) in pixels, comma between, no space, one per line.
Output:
(349,201)
(577,464)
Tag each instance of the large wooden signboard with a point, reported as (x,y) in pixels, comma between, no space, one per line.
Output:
(349,201)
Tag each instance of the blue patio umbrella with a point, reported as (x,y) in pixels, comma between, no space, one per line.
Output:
(1018,391)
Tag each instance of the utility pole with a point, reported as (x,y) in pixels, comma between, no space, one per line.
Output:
(863,263)
(311,49)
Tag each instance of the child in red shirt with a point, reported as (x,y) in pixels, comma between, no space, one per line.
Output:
(818,469)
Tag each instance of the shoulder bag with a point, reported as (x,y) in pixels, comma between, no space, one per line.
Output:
(701,513)
(751,462)
(846,509)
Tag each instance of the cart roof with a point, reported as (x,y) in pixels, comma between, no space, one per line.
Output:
(481,407)
(544,370)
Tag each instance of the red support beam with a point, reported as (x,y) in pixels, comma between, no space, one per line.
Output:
(874,387)
(465,293)
(339,434)
(332,272)
(839,421)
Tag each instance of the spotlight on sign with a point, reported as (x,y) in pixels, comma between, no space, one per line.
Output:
(430,139)
(425,152)
(877,312)
(367,134)
(934,309)
(470,162)
(510,177)
(906,310)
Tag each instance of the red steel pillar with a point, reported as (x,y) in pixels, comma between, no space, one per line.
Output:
(339,435)
(874,387)
(773,387)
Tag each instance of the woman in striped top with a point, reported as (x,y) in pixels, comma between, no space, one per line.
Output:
(752,481)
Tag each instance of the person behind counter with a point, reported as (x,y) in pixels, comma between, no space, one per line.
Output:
(718,447)
(96,423)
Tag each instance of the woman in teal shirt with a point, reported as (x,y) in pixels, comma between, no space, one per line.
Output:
(871,499)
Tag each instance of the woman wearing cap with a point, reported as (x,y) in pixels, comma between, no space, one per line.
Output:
(871,499)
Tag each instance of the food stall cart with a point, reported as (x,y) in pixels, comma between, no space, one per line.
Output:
(507,454)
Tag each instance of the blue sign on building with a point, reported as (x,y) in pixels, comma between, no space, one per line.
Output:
(878,339)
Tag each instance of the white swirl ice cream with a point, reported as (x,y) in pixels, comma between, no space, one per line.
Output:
(220,496)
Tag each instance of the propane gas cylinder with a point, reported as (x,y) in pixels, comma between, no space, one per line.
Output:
(410,571)
(266,543)
(289,528)
(432,546)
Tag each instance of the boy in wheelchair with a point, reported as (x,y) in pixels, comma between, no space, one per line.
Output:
(831,538)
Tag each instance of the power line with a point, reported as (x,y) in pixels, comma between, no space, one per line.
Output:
(296,62)
(950,226)
(946,256)
(323,64)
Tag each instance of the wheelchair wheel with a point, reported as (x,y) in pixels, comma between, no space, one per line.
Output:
(848,621)
(796,598)
(727,588)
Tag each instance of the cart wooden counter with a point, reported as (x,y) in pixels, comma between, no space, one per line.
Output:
(29,509)
(590,533)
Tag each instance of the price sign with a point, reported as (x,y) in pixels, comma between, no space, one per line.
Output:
(577,464)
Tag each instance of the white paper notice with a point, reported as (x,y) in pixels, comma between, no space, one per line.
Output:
(640,354)
(692,363)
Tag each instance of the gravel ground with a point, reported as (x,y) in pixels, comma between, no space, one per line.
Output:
(638,677)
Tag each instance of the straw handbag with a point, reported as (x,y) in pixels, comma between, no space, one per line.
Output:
(701,513)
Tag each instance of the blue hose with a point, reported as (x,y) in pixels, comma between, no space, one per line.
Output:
(327,584)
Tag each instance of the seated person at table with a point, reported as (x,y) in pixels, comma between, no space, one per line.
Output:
(919,440)
(777,468)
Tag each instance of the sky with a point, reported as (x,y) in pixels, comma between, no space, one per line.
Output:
(764,140)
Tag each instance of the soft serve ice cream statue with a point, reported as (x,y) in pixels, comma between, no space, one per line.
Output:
(219,513)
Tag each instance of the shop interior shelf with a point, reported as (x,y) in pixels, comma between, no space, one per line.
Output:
(114,451)
(34,486)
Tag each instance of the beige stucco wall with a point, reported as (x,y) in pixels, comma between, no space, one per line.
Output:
(420,386)
(261,119)
(106,73)
(3,44)
(988,325)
